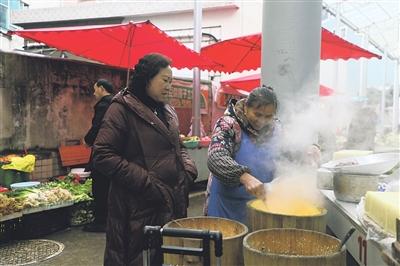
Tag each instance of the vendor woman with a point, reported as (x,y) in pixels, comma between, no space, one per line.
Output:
(241,154)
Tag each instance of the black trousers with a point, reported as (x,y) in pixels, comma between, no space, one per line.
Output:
(100,187)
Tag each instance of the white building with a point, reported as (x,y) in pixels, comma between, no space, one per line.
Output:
(227,19)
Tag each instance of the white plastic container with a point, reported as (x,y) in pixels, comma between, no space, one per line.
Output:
(22,185)
(80,171)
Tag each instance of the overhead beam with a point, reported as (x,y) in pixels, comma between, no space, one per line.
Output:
(352,26)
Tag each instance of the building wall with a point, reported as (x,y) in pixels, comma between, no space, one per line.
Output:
(8,43)
(229,22)
(45,102)
(48,4)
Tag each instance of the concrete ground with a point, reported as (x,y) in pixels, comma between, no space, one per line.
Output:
(87,249)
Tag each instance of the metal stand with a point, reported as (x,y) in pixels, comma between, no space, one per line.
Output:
(153,240)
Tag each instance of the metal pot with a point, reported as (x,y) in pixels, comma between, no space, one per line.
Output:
(350,187)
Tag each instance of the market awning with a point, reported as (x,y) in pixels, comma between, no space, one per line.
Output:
(120,45)
(244,53)
(243,85)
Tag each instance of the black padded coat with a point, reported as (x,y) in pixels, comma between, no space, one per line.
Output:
(150,174)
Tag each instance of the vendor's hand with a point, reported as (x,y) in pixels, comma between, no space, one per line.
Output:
(314,155)
(253,185)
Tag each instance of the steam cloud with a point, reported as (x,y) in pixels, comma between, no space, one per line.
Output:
(303,124)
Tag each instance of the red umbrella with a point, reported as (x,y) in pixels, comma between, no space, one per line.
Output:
(244,53)
(243,85)
(325,91)
(118,45)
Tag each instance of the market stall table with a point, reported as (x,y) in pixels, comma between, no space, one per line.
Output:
(340,218)
(199,155)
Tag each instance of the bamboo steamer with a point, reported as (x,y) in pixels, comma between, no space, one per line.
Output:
(259,219)
(297,247)
(232,240)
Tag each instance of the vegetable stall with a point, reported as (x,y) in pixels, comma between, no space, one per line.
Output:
(44,208)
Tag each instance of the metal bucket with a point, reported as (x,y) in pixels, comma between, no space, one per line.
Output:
(351,187)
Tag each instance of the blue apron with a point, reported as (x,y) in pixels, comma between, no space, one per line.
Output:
(230,202)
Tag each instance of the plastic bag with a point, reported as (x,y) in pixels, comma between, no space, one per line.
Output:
(393,186)
(23,164)
(373,230)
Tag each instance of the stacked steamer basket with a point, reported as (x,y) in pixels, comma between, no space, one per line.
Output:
(232,238)
(287,206)
(289,231)
(260,218)
(292,247)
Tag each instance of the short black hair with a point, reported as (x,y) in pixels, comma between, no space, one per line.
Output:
(146,69)
(106,85)
(262,96)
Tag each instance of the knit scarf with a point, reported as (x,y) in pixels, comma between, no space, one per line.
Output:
(236,110)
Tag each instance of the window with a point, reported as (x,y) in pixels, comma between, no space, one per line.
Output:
(5,7)
(4,13)
(16,4)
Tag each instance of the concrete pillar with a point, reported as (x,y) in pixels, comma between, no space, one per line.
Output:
(291,48)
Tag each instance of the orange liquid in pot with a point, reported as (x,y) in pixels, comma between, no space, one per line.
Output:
(295,208)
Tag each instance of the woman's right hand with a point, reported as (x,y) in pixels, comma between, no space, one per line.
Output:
(253,185)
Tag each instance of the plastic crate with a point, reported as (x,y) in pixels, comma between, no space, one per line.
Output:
(38,224)
(81,213)
(9,229)
(192,144)
(74,155)
(7,177)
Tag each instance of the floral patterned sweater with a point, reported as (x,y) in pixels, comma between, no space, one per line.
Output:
(225,142)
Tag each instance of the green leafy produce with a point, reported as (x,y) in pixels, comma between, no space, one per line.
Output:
(81,190)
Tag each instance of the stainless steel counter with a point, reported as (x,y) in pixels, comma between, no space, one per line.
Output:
(341,217)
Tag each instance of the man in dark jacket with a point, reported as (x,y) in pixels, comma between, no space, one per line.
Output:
(103,92)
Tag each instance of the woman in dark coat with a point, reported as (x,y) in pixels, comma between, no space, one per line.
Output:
(138,146)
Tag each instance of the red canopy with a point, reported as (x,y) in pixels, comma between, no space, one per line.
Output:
(244,53)
(243,85)
(118,45)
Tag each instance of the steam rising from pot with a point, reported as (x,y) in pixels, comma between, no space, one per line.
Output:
(303,124)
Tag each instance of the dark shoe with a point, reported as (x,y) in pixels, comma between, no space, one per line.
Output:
(94,227)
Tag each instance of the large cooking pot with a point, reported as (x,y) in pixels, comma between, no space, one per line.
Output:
(351,187)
